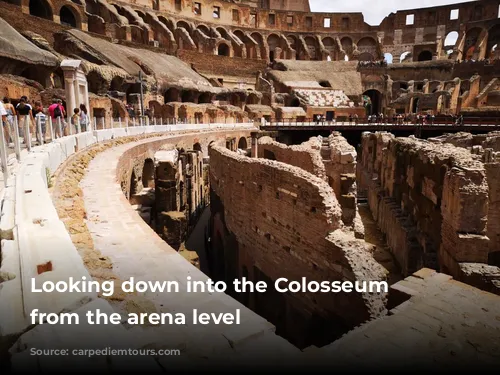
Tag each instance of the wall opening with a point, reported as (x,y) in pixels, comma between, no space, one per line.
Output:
(223,49)
(148,174)
(67,17)
(425,56)
(40,8)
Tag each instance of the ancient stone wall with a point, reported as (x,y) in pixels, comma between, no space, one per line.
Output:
(432,201)
(277,220)
(301,156)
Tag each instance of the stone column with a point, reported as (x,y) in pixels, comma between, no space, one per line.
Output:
(255,142)
(70,95)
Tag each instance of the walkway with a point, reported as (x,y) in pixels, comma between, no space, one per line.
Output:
(137,251)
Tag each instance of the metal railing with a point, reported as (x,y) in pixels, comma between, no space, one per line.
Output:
(24,132)
(437,121)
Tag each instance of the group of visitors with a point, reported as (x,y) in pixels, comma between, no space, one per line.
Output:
(373,64)
(37,114)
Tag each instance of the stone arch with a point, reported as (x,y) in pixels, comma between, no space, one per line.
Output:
(259,39)
(42,9)
(197,146)
(425,56)
(69,16)
(96,84)
(388,57)
(331,47)
(205,98)
(273,42)
(187,96)
(223,32)
(171,95)
(493,41)
(252,99)
(148,174)
(223,49)
(406,57)
(242,143)
(471,39)
(204,29)
(166,22)
(375,101)
(311,44)
(184,25)
(347,46)
(367,45)
(117,83)
(36,73)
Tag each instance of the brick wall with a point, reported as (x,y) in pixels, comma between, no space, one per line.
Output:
(431,201)
(222,65)
(301,156)
(284,221)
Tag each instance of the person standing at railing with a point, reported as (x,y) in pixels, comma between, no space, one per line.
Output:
(3,116)
(9,119)
(75,118)
(25,113)
(57,113)
(84,118)
(41,118)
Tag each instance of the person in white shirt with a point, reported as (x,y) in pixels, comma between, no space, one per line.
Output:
(3,114)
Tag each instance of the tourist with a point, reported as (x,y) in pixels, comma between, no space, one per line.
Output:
(41,119)
(11,113)
(3,115)
(56,111)
(25,113)
(356,117)
(75,119)
(84,118)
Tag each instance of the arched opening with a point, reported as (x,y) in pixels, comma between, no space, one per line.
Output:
(273,41)
(184,25)
(415,108)
(67,17)
(36,74)
(116,84)
(346,44)
(365,56)
(388,57)
(330,46)
(242,143)
(171,95)
(425,56)
(205,98)
(40,8)
(148,174)
(471,39)
(405,57)
(134,93)
(451,40)
(311,47)
(187,97)
(252,99)
(374,104)
(493,40)
(367,45)
(295,102)
(133,186)
(223,49)
(204,30)
(325,84)
(223,32)
(197,146)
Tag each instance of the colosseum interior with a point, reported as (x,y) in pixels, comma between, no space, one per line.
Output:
(255,139)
